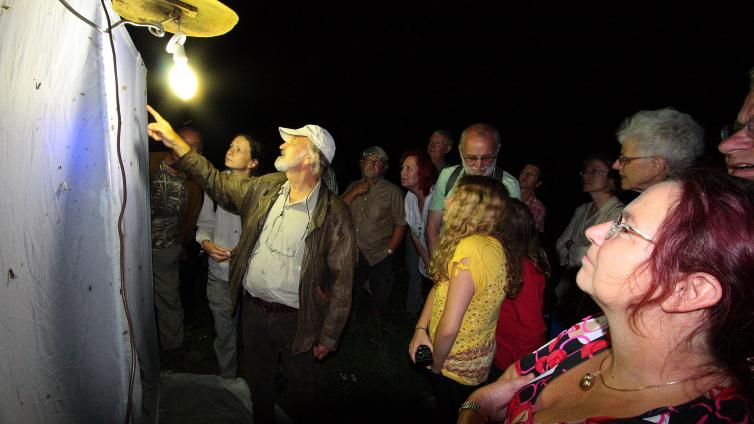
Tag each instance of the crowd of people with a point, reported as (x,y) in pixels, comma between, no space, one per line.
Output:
(651,318)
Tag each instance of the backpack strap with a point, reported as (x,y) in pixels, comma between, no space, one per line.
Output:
(452,179)
(497,174)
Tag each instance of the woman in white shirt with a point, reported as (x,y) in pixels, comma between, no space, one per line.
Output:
(218,232)
(418,176)
(600,183)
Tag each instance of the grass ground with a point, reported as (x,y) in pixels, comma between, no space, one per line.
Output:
(368,379)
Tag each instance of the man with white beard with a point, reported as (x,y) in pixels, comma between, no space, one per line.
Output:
(479,147)
(293,271)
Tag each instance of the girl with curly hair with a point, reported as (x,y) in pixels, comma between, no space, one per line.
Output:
(470,273)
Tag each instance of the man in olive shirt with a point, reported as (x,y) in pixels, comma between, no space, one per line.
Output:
(379,217)
(294,264)
(175,202)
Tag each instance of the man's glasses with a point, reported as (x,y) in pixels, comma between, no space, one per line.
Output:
(730,129)
(276,240)
(623,160)
(619,225)
(370,159)
(484,160)
(592,172)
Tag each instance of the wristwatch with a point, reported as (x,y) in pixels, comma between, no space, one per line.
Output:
(472,406)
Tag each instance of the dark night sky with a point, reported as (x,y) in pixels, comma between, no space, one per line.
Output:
(557,78)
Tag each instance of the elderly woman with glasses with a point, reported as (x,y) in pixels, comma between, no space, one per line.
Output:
(673,275)
(599,182)
(656,143)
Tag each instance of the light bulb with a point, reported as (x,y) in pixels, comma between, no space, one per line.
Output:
(183,80)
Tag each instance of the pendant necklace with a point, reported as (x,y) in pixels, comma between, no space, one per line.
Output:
(587,380)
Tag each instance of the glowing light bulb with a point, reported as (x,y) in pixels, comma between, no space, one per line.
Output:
(182,78)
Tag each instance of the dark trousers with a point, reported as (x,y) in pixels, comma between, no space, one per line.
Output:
(380,276)
(267,340)
(416,291)
(449,394)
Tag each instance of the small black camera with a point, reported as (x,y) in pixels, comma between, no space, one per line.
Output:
(423,356)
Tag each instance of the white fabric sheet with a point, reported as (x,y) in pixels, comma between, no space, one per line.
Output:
(65,354)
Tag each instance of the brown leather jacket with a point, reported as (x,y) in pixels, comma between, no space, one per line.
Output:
(329,259)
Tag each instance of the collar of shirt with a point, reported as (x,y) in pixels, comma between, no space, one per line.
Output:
(310,199)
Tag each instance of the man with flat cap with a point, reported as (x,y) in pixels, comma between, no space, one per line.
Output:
(379,218)
(293,271)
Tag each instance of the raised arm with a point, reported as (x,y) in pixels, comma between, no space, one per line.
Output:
(161,130)
(226,190)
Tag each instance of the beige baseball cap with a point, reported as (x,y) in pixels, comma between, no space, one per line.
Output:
(318,135)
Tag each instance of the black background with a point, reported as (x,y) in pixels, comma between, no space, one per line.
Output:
(556,78)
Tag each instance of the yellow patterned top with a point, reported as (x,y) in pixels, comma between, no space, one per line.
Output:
(471,356)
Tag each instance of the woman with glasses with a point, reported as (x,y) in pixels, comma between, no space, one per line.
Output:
(599,181)
(673,275)
(654,144)
(471,279)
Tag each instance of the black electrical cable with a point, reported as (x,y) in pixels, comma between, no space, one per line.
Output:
(78,15)
(156,29)
(123,288)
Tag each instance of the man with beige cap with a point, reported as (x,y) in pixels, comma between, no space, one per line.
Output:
(379,218)
(293,271)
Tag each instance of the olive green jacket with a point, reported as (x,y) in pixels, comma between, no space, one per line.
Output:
(329,259)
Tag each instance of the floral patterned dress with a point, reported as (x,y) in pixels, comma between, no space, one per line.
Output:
(588,338)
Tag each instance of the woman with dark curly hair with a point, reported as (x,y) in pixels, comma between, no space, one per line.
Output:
(673,275)
(521,327)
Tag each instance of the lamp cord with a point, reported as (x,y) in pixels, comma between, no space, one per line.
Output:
(156,29)
(123,288)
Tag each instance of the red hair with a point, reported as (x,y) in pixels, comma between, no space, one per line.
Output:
(711,230)
(427,170)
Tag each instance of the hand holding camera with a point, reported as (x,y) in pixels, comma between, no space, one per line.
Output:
(423,356)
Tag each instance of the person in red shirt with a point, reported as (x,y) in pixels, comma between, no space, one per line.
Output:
(521,327)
